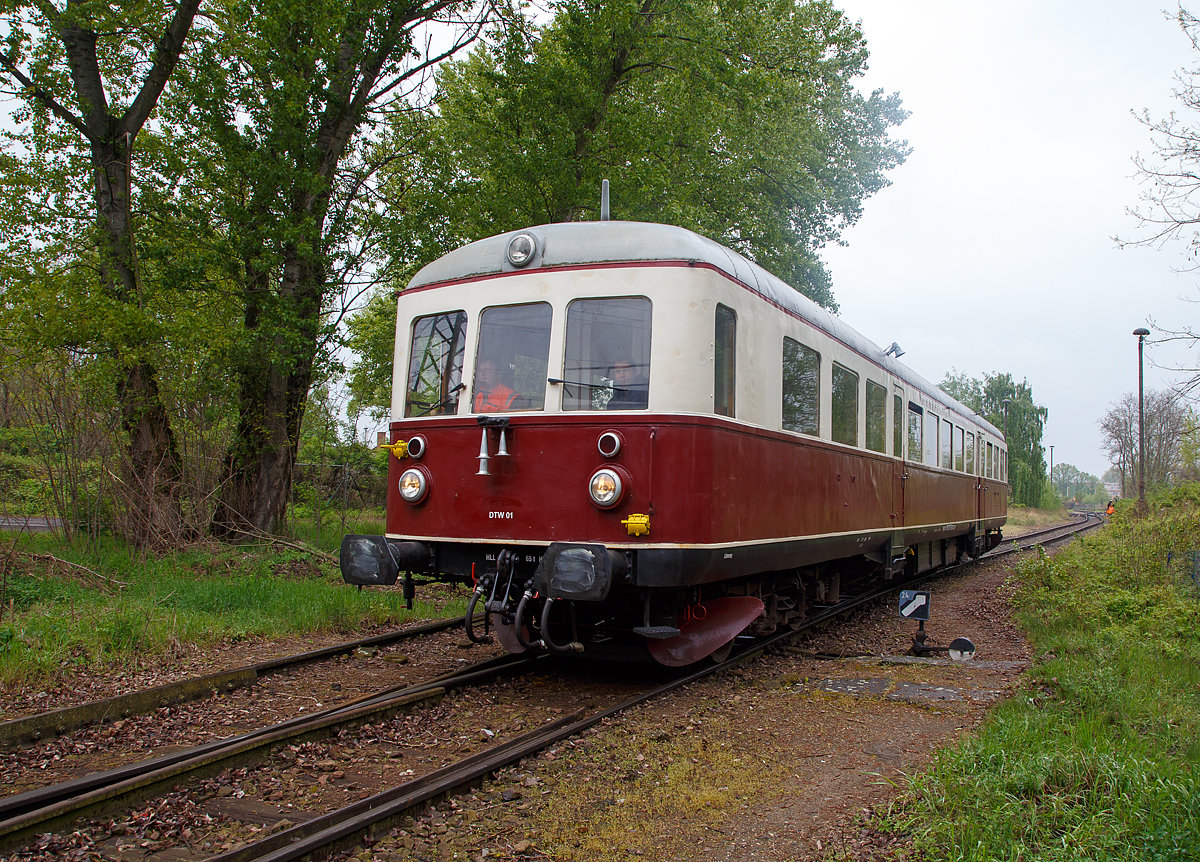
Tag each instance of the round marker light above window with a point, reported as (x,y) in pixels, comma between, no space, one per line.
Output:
(521,249)
(606,488)
(413,485)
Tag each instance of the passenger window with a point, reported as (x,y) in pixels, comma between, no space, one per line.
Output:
(435,364)
(607,364)
(725,361)
(844,411)
(1003,465)
(876,417)
(991,456)
(898,423)
(916,423)
(931,439)
(958,449)
(971,454)
(801,388)
(510,364)
(945,440)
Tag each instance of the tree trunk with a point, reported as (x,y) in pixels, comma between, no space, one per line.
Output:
(152,468)
(273,388)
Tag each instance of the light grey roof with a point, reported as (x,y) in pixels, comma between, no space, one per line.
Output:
(581,243)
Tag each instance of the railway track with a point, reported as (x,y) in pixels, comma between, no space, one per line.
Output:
(350,825)
(51,808)
(1085,523)
(33,728)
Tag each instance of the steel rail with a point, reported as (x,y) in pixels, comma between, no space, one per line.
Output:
(61,721)
(48,808)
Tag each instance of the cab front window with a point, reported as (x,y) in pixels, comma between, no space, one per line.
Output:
(511,360)
(435,364)
(607,363)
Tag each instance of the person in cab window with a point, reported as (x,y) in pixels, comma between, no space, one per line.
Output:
(491,396)
(630,389)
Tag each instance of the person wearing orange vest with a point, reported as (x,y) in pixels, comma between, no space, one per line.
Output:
(491,396)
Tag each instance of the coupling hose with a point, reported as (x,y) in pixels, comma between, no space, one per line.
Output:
(573,646)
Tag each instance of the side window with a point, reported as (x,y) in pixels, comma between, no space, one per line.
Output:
(510,365)
(1004,465)
(971,454)
(844,410)
(931,439)
(725,362)
(916,424)
(607,364)
(945,440)
(435,364)
(991,457)
(876,417)
(898,423)
(958,449)
(801,388)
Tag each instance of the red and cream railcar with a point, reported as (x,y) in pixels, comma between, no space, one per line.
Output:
(633,440)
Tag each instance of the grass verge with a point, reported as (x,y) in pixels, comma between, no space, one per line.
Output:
(63,609)
(1099,757)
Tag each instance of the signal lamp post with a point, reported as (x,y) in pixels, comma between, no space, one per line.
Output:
(1141,332)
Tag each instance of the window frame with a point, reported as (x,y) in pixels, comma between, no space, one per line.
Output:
(803,352)
(834,404)
(725,361)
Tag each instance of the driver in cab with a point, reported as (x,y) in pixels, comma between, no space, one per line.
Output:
(491,396)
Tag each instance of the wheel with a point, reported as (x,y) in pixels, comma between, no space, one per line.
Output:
(721,653)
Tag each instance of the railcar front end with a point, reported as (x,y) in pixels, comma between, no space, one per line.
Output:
(631,441)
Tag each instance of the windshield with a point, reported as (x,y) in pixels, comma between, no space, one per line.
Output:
(435,364)
(607,363)
(510,365)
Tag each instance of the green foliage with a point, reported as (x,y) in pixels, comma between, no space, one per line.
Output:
(372,337)
(1021,420)
(63,619)
(1100,755)
(739,120)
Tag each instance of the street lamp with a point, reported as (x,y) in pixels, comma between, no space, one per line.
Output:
(1006,402)
(1141,332)
(1051,464)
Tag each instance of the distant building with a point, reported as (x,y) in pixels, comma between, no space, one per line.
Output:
(1113,489)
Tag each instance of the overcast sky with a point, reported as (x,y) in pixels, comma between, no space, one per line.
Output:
(992,250)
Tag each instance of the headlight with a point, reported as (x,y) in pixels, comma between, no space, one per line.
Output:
(606,487)
(414,485)
(521,249)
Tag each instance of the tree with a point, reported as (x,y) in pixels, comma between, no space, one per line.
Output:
(1023,421)
(738,120)
(1071,483)
(1169,423)
(286,98)
(99,70)
(1169,205)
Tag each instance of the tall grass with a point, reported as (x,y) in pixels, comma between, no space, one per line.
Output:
(124,606)
(1099,756)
